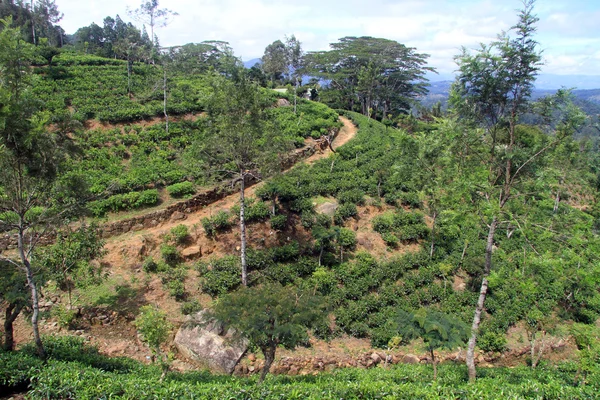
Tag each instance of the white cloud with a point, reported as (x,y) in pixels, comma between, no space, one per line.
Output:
(567,32)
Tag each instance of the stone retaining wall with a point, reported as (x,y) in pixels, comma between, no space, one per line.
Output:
(175,211)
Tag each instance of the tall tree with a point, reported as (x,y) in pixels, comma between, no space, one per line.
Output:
(492,91)
(242,142)
(379,75)
(295,57)
(150,14)
(32,200)
(275,61)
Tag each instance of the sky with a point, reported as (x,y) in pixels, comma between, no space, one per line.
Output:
(568,30)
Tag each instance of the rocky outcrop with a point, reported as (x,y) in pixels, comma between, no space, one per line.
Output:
(209,345)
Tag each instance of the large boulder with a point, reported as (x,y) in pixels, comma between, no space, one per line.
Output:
(208,344)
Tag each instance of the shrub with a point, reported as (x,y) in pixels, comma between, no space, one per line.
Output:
(287,252)
(191,307)
(383,223)
(492,341)
(278,222)
(170,254)
(150,265)
(217,223)
(354,196)
(220,276)
(390,239)
(344,212)
(347,238)
(180,234)
(258,211)
(181,189)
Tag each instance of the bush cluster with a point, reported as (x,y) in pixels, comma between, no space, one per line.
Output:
(125,201)
(181,189)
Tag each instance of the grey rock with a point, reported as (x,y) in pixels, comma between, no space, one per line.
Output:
(327,208)
(178,216)
(207,343)
(411,359)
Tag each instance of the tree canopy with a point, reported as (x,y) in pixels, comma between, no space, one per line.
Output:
(376,76)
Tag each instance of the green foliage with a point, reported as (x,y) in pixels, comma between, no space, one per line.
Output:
(438,330)
(278,222)
(492,341)
(215,224)
(77,370)
(181,189)
(220,276)
(404,226)
(149,265)
(270,315)
(191,307)
(174,281)
(344,212)
(382,74)
(179,234)
(125,201)
(255,211)
(170,254)
(154,327)
(354,196)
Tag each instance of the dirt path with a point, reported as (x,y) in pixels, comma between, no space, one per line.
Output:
(127,250)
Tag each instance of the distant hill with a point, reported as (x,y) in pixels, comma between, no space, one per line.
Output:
(587,99)
(252,63)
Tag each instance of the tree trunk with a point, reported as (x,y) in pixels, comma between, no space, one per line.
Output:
(432,236)
(11,313)
(32,22)
(34,295)
(269,353)
(165,100)
(243,230)
(480,303)
(434,364)
(129,62)
(295,95)
(556,201)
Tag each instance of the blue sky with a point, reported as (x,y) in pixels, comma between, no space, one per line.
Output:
(568,31)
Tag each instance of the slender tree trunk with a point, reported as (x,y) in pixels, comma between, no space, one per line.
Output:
(556,201)
(243,230)
(434,364)
(432,236)
(165,99)
(269,353)
(35,303)
(129,62)
(32,22)
(295,95)
(10,315)
(480,303)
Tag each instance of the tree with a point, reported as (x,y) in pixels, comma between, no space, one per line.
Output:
(381,75)
(154,327)
(438,330)
(148,13)
(68,260)
(295,60)
(14,297)
(242,142)
(32,199)
(275,61)
(269,316)
(492,91)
